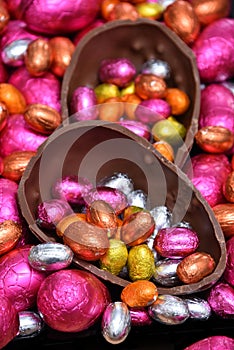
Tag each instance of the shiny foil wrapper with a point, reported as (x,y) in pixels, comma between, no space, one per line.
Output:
(228,188)
(115,259)
(62,49)
(149,86)
(140,317)
(38,57)
(140,293)
(221,300)
(50,256)
(120,181)
(8,201)
(141,265)
(138,198)
(13,98)
(215,342)
(165,272)
(30,324)
(118,71)
(210,11)
(15,164)
(214,139)
(9,321)
(44,89)
(116,322)
(137,127)
(83,103)
(152,110)
(10,233)
(229,269)
(18,280)
(199,309)
(169,309)
(157,67)
(224,213)
(71,300)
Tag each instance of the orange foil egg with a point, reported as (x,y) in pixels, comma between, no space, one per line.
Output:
(3,115)
(178,100)
(165,149)
(107,6)
(224,213)
(180,16)
(140,293)
(10,233)
(13,98)
(4,15)
(111,109)
(149,86)
(15,163)
(209,11)
(214,139)
(228,188)
(62,49)
(67,220)
(42,118)
(38,57)
(123,10)
(131,101)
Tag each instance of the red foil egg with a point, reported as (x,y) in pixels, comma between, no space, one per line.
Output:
(18,280)
(72,300)
(9,321)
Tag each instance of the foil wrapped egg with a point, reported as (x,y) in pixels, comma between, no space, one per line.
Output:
(157,67)
(120,181)
(140,317)
(9,321)
(116,322)
(139,293)
(215,342)
(210,11)
(224,214)
(138,198)
(84,98)
(137,127)
(10,233)
(199,309)
(221,300)
(229,270)
(8,201)
(18,280)
(152,110)
(30,324)
(165,272)
(72,300)
(62,49)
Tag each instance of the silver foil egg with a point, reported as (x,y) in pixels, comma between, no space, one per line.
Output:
(30,324)
(165,272)
(50,256)
(120,181)
(157,67)
(138,198)
(169,310)
(116,322)
(198,308)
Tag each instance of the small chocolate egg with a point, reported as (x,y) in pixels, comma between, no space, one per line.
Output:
(8,201)
(82,103)
(224,213)
(176,242)
(229,269)
(148,86)
(228,188)
(67,220)
(13,98)
(199,309)
(138,198)
(106,7)
(10,233)
(115,258)
(165,149)
(38,57)
(165,272)
(62,49)
(162,216)
(214,139)
(120,181)
(129,92)
(123,10)
(116,322)
(117,71)
(150,10)
(140,129)
(152,110)
(71,300)
(221,300)
(111,110)
(140,317)
(30,324)
(169,130)
(194,267)
(50,256)
(140,263)
(140,293)
(209,11)
(178,100)
(15,164)
(131,102)
(50,212)
(104,91)
(215,342)
(157,67)
(169,309)
(9,321)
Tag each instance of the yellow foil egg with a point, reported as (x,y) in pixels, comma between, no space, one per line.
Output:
(139,294)
(150,10)
(105,91)
(128,90)
(115,258)
(141,264)
(169,130)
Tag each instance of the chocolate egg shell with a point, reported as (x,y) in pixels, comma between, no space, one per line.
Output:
(149,171)
(135,40)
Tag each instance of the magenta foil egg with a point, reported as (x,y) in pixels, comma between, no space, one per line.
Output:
(18,280)
(229,270)
(56,17)
(140,317)
(44,89)
(9,322)
(139,128)
(83,101)
(71,300)
(221,300)
(8,201)
(18,136)
(152,110)
(215,342)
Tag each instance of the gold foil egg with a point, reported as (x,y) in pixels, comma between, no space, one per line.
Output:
(214,139)
(62,49)
(151,10)
(140,293)
(13,98)
(224,213)
(105,91)
(149,86)
(10,233)
(169,130)
(38,57)
(15,163)
(228,188)
(115,258)
(209,11)
(123,10)
(67,220)
(141,264)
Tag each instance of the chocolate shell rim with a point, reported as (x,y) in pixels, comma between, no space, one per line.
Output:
(182,153)
(184,289)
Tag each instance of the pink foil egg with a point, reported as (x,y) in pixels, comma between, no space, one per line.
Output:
(9,322)
(229,270)
(14,43)
(44,89)
(216,95)
(55,17)
(139,128)
(72,300)
(221,300)
(8,201)
(18,280)
(140,317)
(18,136)
(152,110)
(84,98)
(216,342)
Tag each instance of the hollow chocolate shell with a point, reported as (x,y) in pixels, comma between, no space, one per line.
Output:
(96,149)
(138,41)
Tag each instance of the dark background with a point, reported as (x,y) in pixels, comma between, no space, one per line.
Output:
(157,336)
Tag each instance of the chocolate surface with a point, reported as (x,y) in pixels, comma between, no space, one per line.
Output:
(85,147)
(138,41)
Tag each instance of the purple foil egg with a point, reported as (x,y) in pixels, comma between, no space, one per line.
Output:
(18,280)
(72,188)
(152,110)
(71,300)
(17,136)
(229,270)
(117,71)
(176,242)
(221,300)
(8,201)
(51,211)
(216,342)
(44,89)
(137,127)
(140,317)
(9,321)
(82,102)
(56,17)
(116,198)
